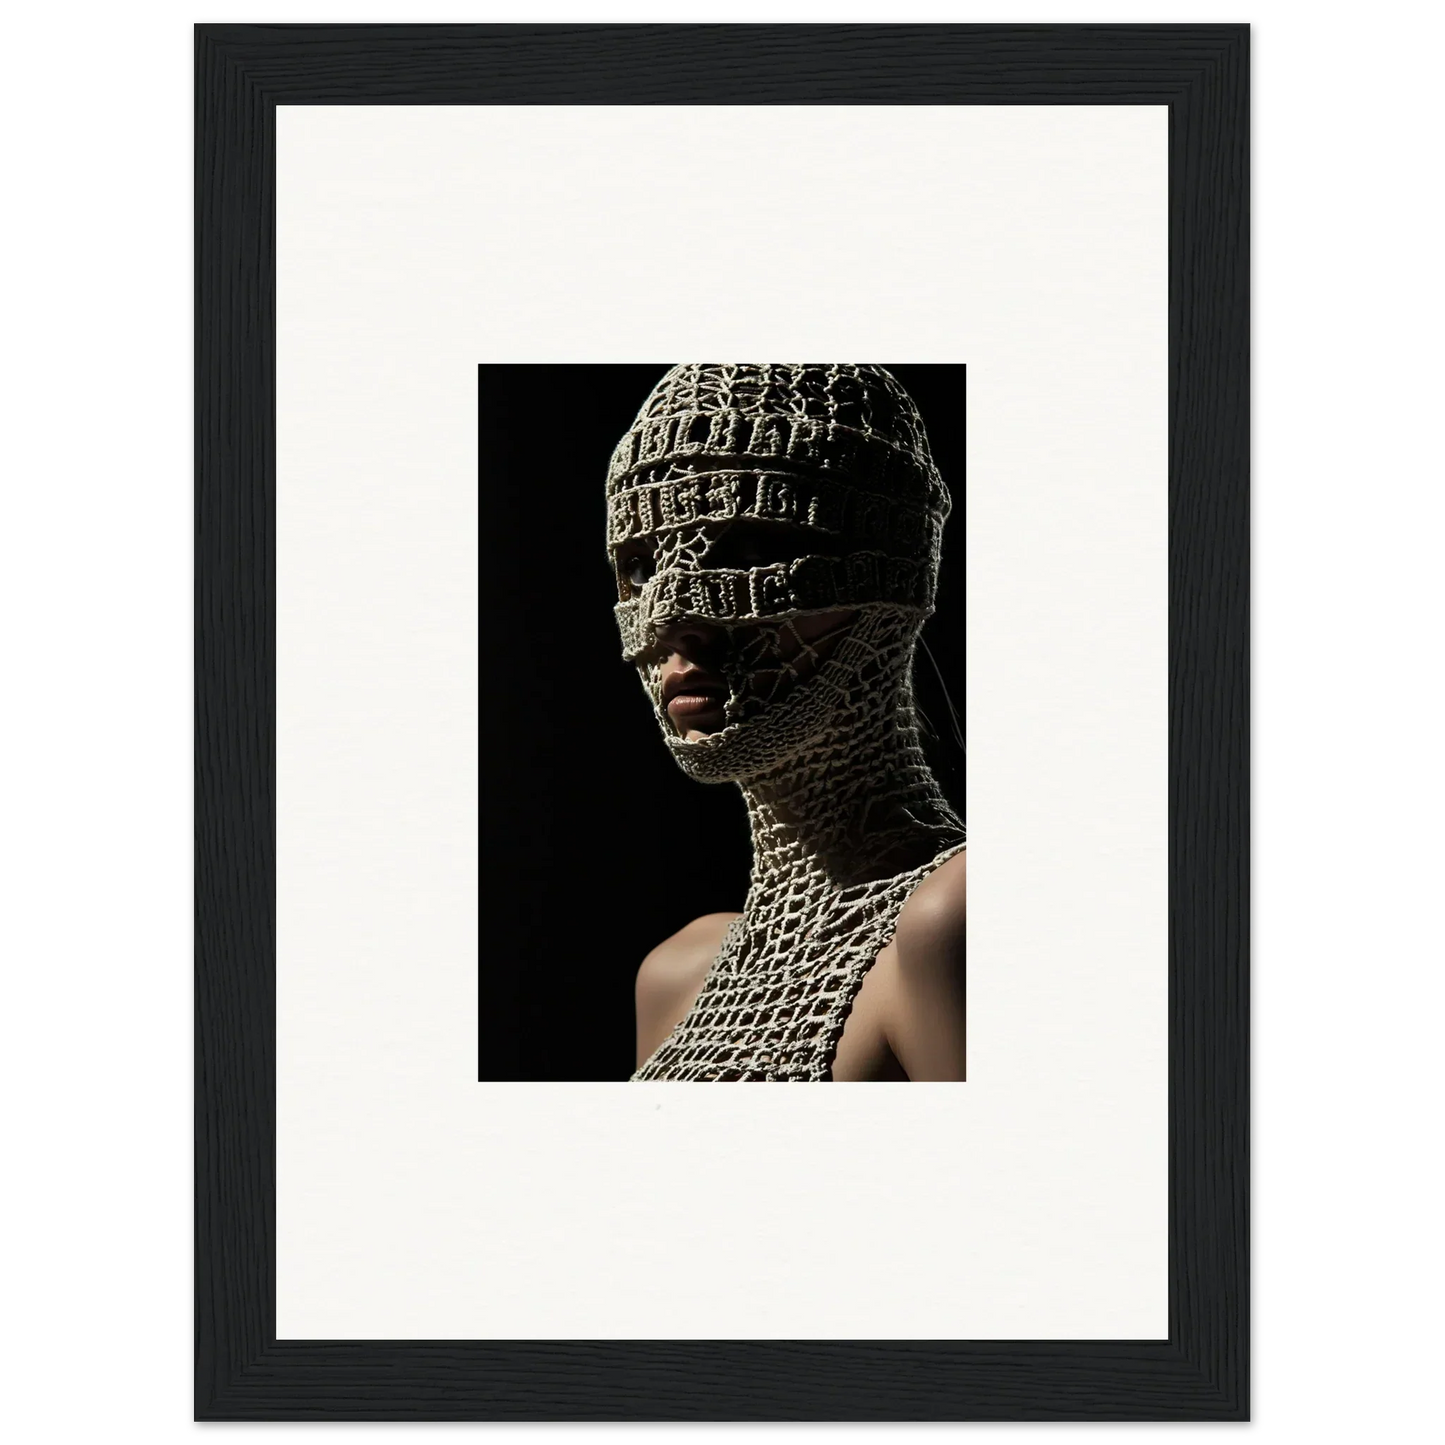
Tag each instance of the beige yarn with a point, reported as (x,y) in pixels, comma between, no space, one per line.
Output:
(826,752)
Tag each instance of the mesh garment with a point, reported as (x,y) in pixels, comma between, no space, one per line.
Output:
(820,732)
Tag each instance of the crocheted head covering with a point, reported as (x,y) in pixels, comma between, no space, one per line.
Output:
(837,449)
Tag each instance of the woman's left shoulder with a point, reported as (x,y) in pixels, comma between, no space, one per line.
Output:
(933,915)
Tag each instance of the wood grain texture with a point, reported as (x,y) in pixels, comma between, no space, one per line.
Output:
(242,74)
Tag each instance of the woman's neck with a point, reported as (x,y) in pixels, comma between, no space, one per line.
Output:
(861,806)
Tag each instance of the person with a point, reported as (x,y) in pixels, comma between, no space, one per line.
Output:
(774,532)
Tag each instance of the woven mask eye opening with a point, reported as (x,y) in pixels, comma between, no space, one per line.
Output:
(634,564)
(750,542)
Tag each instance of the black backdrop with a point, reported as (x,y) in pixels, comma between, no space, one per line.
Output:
(594,846)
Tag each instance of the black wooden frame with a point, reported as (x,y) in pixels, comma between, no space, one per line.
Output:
(242,73)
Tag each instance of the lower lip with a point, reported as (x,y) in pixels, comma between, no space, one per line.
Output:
(694,704)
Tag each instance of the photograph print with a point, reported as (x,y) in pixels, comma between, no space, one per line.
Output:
(722,700)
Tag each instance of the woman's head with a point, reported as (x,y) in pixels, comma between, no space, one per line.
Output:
(774,531)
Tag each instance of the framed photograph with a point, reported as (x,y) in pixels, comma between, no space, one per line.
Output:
(577,718)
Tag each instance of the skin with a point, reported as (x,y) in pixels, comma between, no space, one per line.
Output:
(908,1018)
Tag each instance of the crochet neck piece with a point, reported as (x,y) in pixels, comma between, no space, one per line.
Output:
(790,516)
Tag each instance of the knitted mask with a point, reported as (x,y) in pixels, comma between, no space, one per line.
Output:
(824,473)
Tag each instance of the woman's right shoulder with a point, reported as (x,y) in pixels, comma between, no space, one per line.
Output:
(710,925)
(671,976)
(683,957)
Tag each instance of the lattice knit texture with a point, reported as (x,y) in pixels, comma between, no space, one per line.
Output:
(824,745)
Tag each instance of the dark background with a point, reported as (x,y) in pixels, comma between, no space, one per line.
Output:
(594,845)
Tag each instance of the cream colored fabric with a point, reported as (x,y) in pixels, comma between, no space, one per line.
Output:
(826,753)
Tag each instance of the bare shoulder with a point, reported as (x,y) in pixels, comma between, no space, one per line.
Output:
(671,975)
(685,955)
(932,921)
(923,1005)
